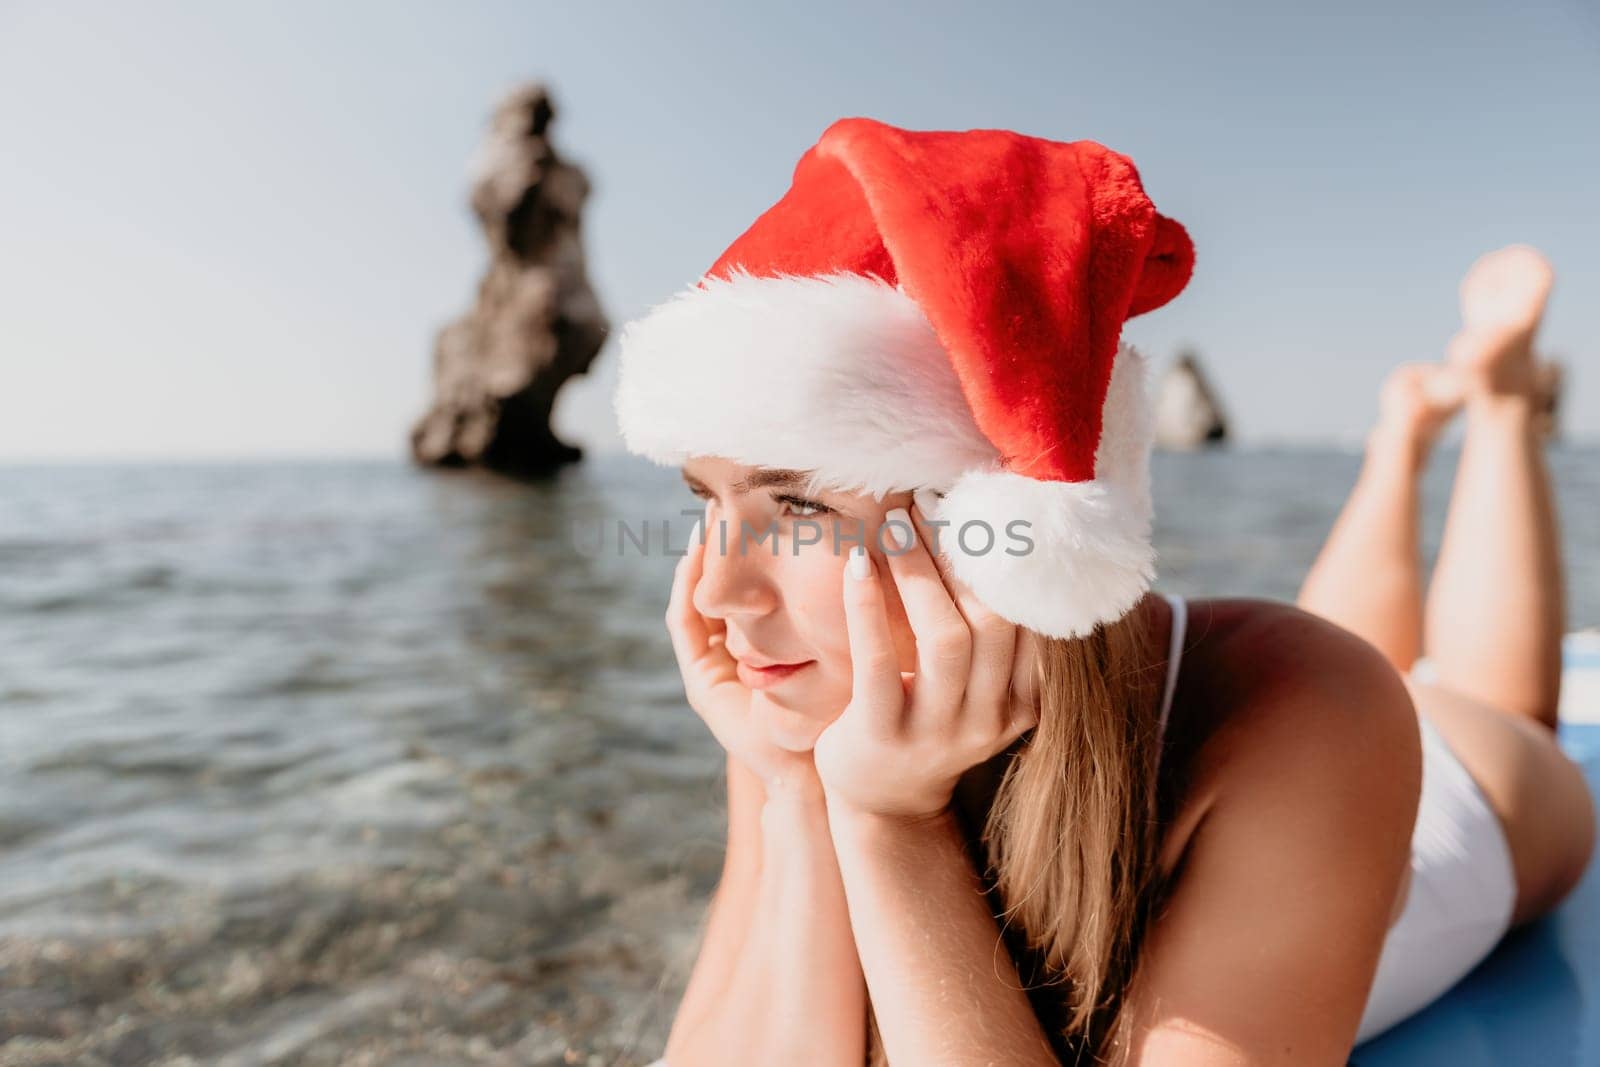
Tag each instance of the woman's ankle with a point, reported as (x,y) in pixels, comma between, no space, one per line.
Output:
(1509,408)
(1396,449)
(1509,378)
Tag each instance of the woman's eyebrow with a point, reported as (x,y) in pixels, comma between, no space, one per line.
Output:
(761,479)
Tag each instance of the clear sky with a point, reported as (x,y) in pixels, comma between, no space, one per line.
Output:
(232,229)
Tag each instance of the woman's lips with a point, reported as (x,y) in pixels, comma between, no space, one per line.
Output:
(762,677)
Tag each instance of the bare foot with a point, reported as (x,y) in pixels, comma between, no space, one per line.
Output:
(1503,298)
(1416,401)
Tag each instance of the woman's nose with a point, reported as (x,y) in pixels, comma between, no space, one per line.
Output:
(734,582)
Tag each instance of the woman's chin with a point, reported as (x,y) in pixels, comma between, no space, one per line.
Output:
(796,731)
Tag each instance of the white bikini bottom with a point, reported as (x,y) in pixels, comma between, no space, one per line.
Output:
(1462,893)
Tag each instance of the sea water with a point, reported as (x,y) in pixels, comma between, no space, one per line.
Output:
(356,763)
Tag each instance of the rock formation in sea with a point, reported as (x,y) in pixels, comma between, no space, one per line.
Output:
(536,321)
(1188,412)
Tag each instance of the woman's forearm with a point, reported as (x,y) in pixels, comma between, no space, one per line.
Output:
(944,987)
(796,994)
(731,905)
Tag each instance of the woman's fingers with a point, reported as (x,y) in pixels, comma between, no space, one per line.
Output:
(993,638)
(876,685)
(1024,697)
(944,641)
(1025,672)
(710,677)
(686,625)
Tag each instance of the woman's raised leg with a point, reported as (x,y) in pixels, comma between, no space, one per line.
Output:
(1368,576)
(1496,608)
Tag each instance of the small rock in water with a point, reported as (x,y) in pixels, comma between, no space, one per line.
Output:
(1188,413)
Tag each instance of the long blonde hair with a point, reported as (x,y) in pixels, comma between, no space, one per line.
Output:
(1072,836)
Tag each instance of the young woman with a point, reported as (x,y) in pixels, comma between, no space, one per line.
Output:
(1224,831)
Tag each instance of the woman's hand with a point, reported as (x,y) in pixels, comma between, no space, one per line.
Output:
(904,740)
(711,682)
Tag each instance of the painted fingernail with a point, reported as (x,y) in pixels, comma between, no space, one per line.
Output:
(694,534)
(901,531)
(927,500)
(860,563)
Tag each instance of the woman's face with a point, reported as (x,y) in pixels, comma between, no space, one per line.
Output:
(777,590)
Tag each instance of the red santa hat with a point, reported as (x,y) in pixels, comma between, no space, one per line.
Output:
(937,309)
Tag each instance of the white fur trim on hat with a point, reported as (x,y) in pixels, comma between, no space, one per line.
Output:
(841,374)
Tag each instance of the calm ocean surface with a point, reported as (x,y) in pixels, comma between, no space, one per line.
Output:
(355,763)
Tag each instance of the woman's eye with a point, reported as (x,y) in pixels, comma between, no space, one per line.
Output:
(804,508)
(799,507)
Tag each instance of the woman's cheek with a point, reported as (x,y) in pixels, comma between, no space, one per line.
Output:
(814,590)
(815,599)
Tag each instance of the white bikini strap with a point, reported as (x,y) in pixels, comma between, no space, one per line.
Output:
(1180,618)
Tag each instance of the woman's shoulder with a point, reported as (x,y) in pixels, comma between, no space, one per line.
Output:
(1251,663)
(1282,705)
